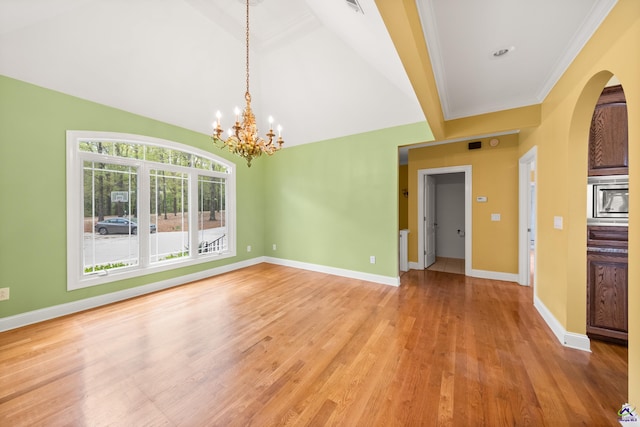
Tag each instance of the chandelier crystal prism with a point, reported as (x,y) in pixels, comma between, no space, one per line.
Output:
(243,139)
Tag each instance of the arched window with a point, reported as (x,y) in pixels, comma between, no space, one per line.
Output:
(138,205)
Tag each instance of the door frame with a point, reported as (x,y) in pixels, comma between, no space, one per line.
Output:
(466,169)
(430,215)
(524,208)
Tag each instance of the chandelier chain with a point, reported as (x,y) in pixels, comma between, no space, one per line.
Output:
(247,44)
(243,138)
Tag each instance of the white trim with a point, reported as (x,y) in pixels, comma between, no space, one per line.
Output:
(351,274)
(428,18)
(577,341)
(30,317)
(481,274)
(404,260)
(524,188)
(567,339)
(468,207)
(596,16)
(415,266)
(494,275)
(76,279)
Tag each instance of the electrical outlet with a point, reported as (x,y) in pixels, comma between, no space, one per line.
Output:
(274,246)
(249,248)
(4,294)
(372,259)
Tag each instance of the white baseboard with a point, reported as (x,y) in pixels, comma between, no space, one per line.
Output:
(494,275)
(30,317)
(415,266)
(351,274)
(482,274)
(567,339)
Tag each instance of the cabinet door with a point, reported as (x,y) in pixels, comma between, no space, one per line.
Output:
(607,295)
(608,136)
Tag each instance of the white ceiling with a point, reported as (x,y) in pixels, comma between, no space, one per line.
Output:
(321,69)
(543,37)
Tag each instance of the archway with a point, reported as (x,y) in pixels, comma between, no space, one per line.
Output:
(577,166)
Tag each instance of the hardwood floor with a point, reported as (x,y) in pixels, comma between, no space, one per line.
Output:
(270,345)
(448,265)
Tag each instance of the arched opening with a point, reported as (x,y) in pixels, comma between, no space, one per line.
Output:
(607,217)
(577,180)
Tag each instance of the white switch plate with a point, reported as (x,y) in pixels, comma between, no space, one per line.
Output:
(481,199)
(4,294)
(274,246)
(495,217)
(249,248)
(372,259)
(557,222)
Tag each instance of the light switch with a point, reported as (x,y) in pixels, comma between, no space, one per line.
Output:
(557,222)
(481,199)
(495,217)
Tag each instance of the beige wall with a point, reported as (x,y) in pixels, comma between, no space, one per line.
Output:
(495,176)
(562,173)
(559,128)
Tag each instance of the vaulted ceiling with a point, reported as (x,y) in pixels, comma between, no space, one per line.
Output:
(321,68)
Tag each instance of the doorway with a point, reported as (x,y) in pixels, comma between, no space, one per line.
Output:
(448,249)
(427,224)
(527,218)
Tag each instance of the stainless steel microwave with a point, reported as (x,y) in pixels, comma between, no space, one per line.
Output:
(608,199)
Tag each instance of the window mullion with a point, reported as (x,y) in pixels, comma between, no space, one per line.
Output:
(113,252)
(193,214)
(144,213)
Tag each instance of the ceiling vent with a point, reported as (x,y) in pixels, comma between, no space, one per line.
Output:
(353,4)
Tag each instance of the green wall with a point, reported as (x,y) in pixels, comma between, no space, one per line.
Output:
(33,125)
(331,203)
(335,202)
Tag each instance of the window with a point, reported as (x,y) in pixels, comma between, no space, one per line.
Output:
(138,205)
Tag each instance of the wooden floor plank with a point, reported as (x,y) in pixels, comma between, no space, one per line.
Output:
(273,346)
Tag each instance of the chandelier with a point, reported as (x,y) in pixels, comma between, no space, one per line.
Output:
(243,139)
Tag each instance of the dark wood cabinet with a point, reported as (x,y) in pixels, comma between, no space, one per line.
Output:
(608,136)
(607,283)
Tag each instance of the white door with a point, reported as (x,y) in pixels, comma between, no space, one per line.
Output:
(527,222)
(423,211)
(531,221)
(430,220)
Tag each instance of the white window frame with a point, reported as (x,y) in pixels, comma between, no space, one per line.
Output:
(76,279)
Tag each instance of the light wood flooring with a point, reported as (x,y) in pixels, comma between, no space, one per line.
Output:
(271,345)
(448,265)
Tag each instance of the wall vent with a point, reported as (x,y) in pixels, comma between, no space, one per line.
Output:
(355,5)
